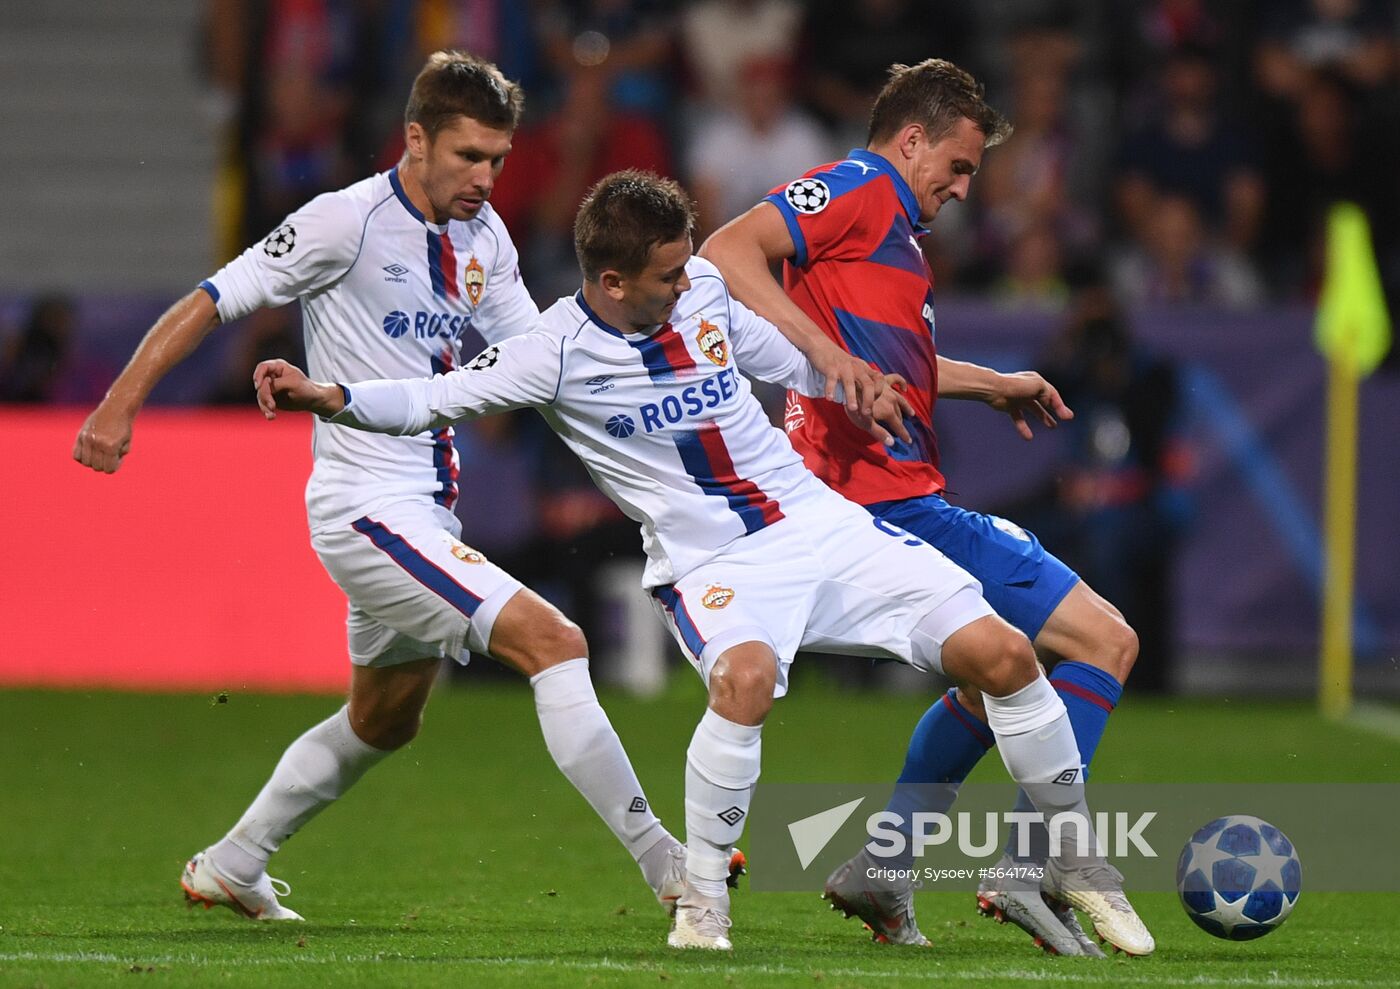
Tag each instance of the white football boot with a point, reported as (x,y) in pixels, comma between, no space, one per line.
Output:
(203,883)
(1097,889)
(701,922)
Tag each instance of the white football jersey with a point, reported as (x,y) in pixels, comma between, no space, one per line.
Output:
(664,421)
(384,294)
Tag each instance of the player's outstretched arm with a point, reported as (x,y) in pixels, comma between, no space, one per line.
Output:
(524,371)
(105,438)
(285,387)
(1019,394)
(744,249)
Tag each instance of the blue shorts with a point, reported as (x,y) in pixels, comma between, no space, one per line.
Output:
(1020,580)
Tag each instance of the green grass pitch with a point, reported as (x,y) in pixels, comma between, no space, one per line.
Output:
(467,860)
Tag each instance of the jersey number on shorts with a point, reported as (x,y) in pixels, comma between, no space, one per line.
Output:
(894,530)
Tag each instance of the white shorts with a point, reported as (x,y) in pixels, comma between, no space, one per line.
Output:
(416,591)
(829,577)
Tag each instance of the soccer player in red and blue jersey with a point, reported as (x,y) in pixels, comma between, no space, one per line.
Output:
(857,289)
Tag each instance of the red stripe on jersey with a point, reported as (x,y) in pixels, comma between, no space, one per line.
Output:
(673,346)
(449,267)
(725,473)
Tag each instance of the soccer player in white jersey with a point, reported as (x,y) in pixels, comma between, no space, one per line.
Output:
(390,272)
(750,556)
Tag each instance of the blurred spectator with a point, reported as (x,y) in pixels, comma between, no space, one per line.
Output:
(1190,148)
(262,336)
(1040,178)
(397,35)
(302,53)
(628,42)
(1165,25)
(1175,264)
(1143,36)
(1331,146)
(40,364)
(1034,277)
(498,30)
(1054,31)
(1354,38)
(849,46)
(719,37)
(1119,501)
(738,155)
(552,165)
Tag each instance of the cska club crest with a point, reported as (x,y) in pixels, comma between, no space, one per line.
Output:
(475,280)
(712,343)
(717,597)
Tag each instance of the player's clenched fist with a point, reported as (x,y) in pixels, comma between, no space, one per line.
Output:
(104,440)
(285,386)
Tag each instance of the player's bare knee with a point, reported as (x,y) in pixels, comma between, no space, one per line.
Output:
(1121,649)
(741,688)
(535,637)
(1008,665)
(559,641)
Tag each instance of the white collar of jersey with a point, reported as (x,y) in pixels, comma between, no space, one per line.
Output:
(413,211)
(607,327)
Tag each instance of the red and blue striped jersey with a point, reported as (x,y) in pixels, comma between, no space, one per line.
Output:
(858,272)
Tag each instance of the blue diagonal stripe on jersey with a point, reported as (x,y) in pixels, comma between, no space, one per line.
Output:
(893,349)
(748,504)
(897,351)
(418,566)
(435,265)
(898,250)
(675,607)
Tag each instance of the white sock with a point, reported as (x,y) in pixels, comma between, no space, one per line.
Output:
(316,769)
(1037,744)
(721,768)
(587,750)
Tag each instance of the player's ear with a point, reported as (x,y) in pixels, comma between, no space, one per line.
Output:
(612,283)
(416,139)
(911,137)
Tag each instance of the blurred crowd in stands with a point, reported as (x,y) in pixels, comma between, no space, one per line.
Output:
(1190,148)
(1197,143)
(1181,152)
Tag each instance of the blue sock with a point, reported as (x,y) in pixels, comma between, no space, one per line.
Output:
(1090,695)
(946,744)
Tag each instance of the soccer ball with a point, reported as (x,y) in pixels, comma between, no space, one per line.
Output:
(1238,877)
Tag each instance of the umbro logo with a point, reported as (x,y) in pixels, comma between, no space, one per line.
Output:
(599,384)
(395,272)
(1067,777)
(638,806)
(732,816)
